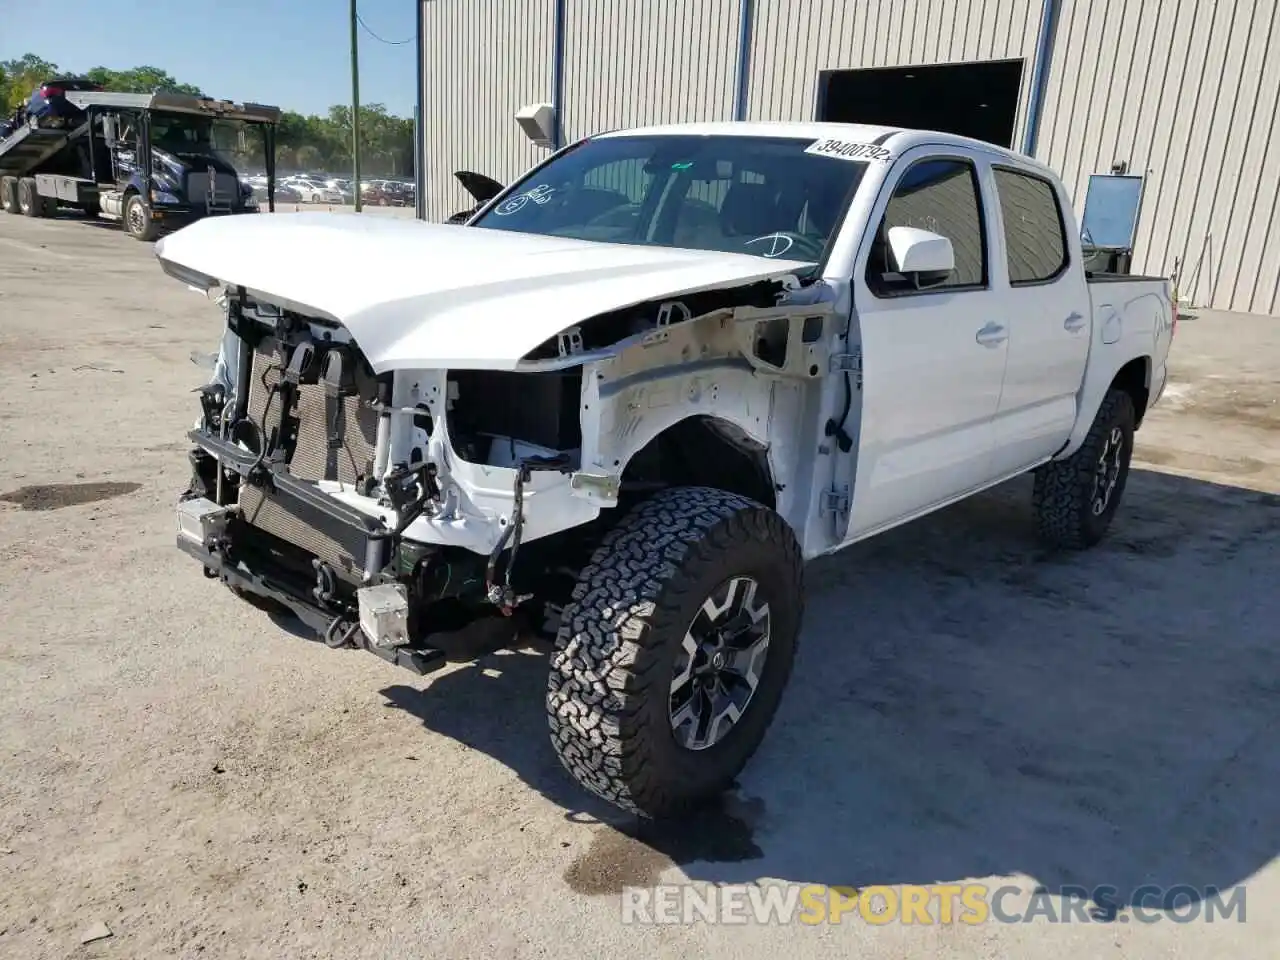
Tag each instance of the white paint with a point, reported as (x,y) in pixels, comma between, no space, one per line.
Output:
(961,389)
(424,295)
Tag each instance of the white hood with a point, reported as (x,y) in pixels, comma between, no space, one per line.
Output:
(426,295)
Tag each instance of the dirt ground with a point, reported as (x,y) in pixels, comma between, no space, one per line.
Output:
(179,766)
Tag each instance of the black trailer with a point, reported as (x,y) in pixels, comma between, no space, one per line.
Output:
(151,161)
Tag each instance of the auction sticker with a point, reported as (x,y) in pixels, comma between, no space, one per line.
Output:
(849,150)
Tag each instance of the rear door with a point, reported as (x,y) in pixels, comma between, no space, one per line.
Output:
(933,360)
(1047,311)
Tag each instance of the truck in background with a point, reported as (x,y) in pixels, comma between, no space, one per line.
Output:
(151,161)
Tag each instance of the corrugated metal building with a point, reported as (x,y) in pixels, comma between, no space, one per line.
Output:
(1184,92)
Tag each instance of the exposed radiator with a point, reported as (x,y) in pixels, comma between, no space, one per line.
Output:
(312,457)
(300,524)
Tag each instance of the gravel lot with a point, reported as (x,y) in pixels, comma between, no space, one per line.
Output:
(179,766)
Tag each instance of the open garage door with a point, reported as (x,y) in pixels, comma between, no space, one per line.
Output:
(977,99)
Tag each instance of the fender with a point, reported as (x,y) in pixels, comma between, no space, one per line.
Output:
(1123,331)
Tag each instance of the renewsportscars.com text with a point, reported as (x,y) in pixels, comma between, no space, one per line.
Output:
(970,904)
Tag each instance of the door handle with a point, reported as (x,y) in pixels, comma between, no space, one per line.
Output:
(1074,322)
(992,335)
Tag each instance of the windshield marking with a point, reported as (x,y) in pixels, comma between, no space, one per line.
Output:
(780,244)
(539,194)
(849,150)
(760,196)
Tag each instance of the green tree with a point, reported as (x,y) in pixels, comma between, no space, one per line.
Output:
(140,80)
(21,76)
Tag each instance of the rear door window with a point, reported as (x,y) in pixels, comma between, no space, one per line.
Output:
(1035,234)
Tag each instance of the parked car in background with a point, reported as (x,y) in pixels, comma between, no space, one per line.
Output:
(396,194)
(374,193)
(284,192)
(342,186)
(314,191)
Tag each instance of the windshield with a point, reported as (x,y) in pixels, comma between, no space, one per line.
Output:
(756,195)
(181,134)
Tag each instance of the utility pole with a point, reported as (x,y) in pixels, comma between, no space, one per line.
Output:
(355,104)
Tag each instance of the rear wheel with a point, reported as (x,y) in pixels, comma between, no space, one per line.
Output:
(9,194)
(137,218)
(1075,499)
(30,203)
(675,649)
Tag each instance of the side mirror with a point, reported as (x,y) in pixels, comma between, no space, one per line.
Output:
(109,132)
(922,256)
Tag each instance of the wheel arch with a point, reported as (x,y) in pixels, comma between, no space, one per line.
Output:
(703,450)
(1133,376)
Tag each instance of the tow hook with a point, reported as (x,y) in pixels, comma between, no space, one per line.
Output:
(340,633)
(501,594)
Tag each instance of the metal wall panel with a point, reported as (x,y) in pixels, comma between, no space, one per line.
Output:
(637,62)
(1185,92)
(795,39)
(483,60)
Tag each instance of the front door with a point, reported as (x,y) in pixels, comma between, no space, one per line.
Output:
(933,360)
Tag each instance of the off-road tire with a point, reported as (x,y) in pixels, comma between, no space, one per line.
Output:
(1063,489)
(9,194)
(145,229)
(609,688)
(30,203)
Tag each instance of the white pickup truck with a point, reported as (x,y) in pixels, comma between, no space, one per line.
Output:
(635,392)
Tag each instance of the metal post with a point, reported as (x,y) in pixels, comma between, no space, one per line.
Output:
(355,103)
(269,145)
(419,146)
(1040,75)
(419,192)
(557,73)
(745,15)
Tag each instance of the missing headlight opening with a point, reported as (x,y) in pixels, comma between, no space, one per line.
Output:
(322,481)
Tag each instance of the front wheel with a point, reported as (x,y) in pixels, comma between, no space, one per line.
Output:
(1075,499)
(674,651)
(137,218)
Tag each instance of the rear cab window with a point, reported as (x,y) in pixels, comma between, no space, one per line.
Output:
(940,194)
(1035,232)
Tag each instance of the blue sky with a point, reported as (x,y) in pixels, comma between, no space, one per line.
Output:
(294,54)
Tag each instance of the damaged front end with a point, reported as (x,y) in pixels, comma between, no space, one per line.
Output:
(429,514)
(339,493)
